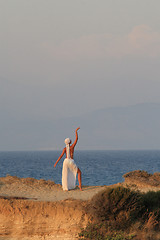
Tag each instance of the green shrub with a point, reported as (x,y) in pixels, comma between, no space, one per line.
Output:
(119,236)
(119,207)
(115,211)
(96,232)
(151,210)
(151,200)
(92,231)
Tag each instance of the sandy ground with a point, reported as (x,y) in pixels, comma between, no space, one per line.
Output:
(49,212)
(41,190)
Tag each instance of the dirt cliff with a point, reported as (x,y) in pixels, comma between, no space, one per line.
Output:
(32,209)
(25,219)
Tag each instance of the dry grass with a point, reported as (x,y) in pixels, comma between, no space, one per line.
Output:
(132,215)
(151,222)
(119,207)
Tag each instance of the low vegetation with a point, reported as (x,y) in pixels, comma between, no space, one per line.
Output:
(121,214)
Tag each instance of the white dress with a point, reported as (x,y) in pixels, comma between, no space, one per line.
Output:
(69,172)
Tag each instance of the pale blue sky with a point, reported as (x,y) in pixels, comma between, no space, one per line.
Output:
(67,57)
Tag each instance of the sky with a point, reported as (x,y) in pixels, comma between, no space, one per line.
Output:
(63,58)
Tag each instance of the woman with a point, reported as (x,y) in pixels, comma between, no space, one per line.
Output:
(70,169)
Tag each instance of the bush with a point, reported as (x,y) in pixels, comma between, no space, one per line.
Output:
(98,232)
(151,213)
(119,207)
(117,211)
(151,200)
(92,231)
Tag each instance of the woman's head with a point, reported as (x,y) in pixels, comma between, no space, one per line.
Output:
(67,141)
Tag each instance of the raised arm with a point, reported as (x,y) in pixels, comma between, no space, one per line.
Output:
(75,142)
(63,152)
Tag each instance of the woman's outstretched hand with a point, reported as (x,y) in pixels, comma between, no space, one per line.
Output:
(77,129)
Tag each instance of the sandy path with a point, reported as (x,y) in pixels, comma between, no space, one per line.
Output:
(41,190)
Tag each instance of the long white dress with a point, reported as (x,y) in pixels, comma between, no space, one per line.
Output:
(69,171)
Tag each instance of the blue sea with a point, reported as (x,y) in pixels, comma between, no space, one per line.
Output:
(98,167)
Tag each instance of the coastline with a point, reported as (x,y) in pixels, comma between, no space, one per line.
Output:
(32,209)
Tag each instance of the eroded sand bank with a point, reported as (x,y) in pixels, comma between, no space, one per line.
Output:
(33,209)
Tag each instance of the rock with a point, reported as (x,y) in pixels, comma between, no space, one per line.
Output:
(143,181)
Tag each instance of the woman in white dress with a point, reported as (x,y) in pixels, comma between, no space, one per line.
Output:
(70,170)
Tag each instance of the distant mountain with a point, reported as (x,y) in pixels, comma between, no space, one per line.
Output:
(131,127)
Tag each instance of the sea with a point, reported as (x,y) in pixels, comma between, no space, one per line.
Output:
(98,167)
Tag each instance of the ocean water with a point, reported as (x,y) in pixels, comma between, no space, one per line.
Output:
(98,167)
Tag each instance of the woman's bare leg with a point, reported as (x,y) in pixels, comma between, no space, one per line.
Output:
(79,178)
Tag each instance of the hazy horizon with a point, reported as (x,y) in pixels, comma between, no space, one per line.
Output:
(62,59)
